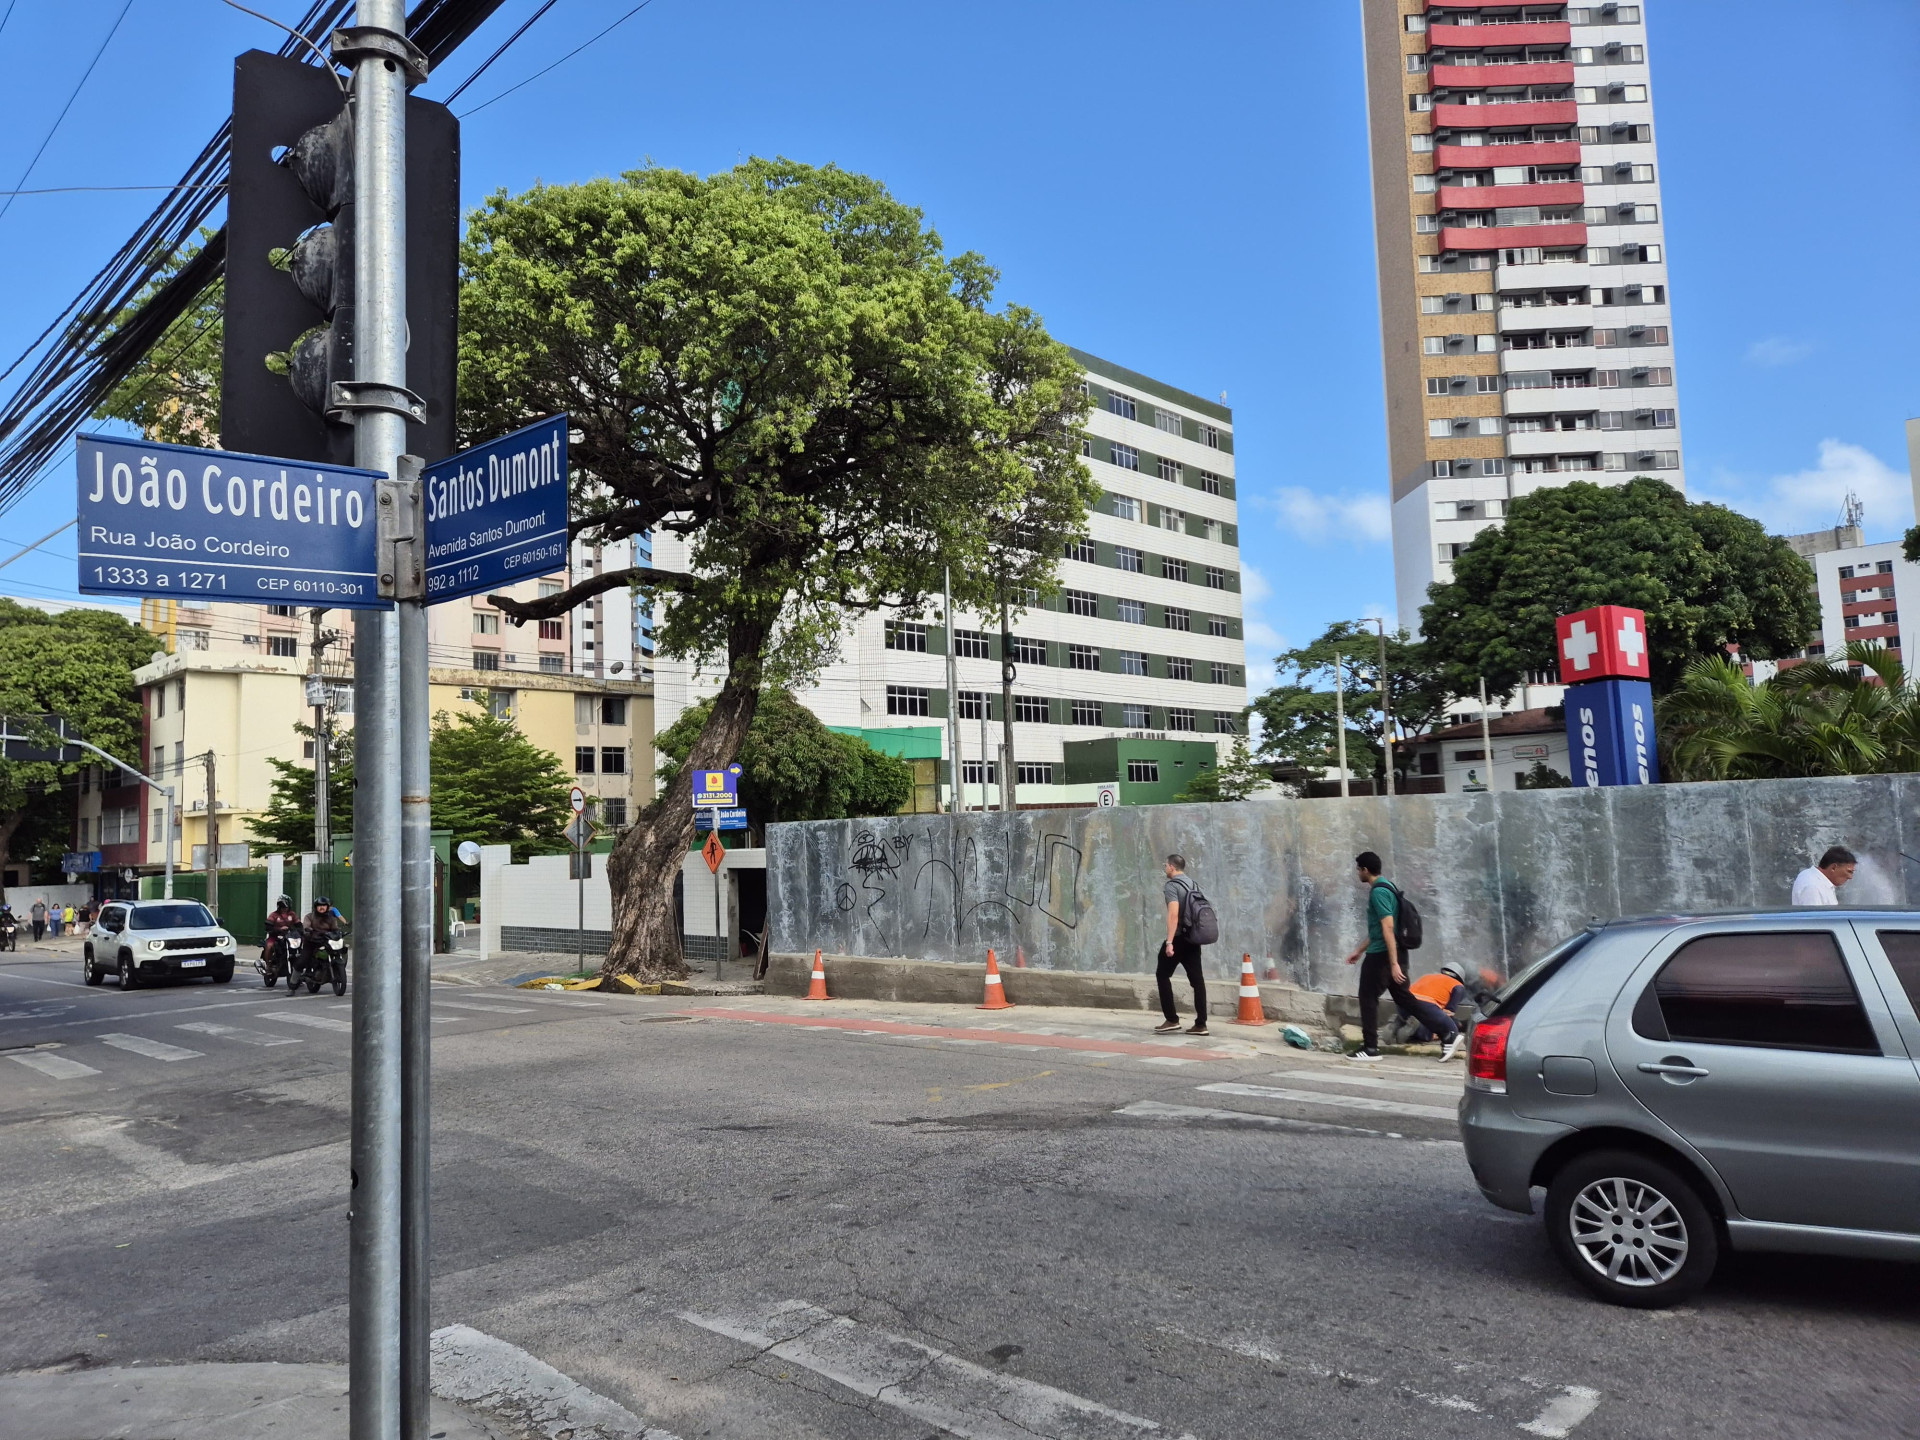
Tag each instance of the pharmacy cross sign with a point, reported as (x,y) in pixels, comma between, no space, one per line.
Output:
(1604,643)
(1580,646)
(1633,644)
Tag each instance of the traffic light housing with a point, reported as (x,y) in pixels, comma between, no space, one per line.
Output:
(288,328)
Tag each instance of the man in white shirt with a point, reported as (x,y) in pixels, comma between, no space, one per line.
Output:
(1820,884)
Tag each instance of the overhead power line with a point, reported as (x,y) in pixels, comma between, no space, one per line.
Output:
(556,64)
(60,119)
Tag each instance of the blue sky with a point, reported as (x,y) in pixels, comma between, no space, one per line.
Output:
(1181,188)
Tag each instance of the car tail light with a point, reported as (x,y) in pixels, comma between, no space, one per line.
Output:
(1487,1055)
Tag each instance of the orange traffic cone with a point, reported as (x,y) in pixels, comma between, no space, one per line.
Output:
(1250,1011)
(818,990)
(1019,957)
(996,997)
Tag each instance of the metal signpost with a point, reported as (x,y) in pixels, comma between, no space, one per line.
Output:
(497,513)
(577,832)
(717,792)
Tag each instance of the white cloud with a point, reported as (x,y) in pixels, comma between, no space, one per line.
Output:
(1777,350)
(1263,642)
(1811,499)
(1314,516)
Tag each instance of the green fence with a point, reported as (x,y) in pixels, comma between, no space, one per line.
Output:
(244,901)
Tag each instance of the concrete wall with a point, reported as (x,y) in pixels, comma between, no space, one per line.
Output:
(1498,877)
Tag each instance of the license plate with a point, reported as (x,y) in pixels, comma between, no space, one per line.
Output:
(186,964)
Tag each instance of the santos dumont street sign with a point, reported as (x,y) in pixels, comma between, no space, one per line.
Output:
(498,513)
(199,525)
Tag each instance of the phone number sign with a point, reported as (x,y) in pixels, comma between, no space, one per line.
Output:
(497,513)
(200,525)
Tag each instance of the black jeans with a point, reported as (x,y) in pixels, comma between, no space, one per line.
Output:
(1185,956)
(1376,979)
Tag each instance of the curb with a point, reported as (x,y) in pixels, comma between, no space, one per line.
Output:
(478,1370)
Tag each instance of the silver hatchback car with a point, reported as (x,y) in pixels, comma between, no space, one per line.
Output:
(1683,1083)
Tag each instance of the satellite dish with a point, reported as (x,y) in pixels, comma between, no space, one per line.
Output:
(468,852)
(617,666)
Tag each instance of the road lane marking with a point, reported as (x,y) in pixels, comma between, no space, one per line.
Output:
(1562,1413)
(489,1009)
(43,979)
(1369,1082)
(1337,1102)
(318,1022)
(1167,1060)
(152,1049)
(54,1067)
(1158,1110)
(936,1388)
(234,1032)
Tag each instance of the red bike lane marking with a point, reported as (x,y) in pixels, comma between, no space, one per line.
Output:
(996,1037)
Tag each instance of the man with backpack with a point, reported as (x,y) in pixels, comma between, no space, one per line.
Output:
(1191,923)
(1393,926)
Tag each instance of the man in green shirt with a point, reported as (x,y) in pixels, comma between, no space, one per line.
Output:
(1384,970)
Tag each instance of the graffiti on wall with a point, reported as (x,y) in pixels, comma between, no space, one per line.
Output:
(961,890)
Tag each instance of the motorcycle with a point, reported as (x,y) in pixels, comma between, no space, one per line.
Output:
(9,930)
(316,959)
(271,962)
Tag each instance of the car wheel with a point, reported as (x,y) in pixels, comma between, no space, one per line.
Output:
(129,977)
(87,971)
(222,975)
(1631,1229)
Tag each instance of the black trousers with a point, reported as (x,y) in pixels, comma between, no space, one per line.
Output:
(1185,956)
(1376,979)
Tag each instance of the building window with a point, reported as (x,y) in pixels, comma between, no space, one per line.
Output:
(192,639)
(1028,652)
(583,758)
(613,710)
(611,812)
(973,772)
(500,704)
(1216,578)
(553,664)
(486,622)
(306,749)
(1222,674)
(970,645)
(1218,625)
(486,659)
(1133,662)
(553,629)
(1179,618)
(1133,612)
(1126,457)
(1082,602)
(1086,712)
(1125,507)
(1128,558)
(906,635)
(1083,657)
(1209,482)
(1225,722)
(1166,420)
(1210,436)
(1143,772)
(974,705)
(547,589)
(284,645)
(1172,569)
(1029,772)
(1135,717)
(613,759)
(1171,519)
(1169,469)
(1122,405)
(1083,550)
(1030,708)
(908,700)
(1179,667)
(1180,719)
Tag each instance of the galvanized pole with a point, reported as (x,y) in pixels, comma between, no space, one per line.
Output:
(1386,709)
(983,751)
(953,702)
(1008,799)
(380,438)
(167,791)
(1340,719)
(416,959)
(1486,732)
(213,841)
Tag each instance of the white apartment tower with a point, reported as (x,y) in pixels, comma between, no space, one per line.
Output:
(1523,281)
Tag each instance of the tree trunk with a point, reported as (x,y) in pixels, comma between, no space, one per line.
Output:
(10,821)
(642,867)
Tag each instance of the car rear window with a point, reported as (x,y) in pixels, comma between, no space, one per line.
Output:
(1903,953)
(180,916)
(1508,999)
(1781,990)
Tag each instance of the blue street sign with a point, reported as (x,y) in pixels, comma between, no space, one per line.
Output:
(497,513)
(714,818)
(1610,733)
(201,525)
(720,788)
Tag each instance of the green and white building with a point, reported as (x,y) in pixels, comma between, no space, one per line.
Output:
(1133,674)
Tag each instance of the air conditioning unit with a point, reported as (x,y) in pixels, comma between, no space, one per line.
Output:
(1636,329)
(1457,340)
(1621,127)
(1454,297)
(1640,372)
(1622,167)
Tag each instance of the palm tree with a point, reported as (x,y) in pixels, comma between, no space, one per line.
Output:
(1857,715)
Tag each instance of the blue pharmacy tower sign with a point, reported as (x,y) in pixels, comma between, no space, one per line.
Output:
(1609,704)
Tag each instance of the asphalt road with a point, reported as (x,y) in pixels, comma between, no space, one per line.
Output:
(756,1227)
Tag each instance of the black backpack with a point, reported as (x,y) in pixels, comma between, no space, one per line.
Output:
(1407,927)
(1198,924)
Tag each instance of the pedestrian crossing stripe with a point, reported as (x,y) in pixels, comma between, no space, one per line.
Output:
(152,1049)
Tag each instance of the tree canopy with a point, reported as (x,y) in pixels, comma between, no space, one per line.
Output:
(1239,777)
(1705,576)
(794,768)
(286,825)
(173,391)
(1299,732)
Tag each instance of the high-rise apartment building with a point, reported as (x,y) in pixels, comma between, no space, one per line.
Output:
(1523,280)
(1142,646)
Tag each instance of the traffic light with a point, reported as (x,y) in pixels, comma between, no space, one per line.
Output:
(288,330)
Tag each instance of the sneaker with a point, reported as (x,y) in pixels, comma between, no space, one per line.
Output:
(1166,1027)
(1365,1057)
(1452,1047)
(1198,1030)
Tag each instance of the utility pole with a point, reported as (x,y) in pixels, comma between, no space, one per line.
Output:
(213,841)
(1386,708)
(983,752)
(1340,719)
(1486,732)
(1007,772)
(953,701)
(318,697)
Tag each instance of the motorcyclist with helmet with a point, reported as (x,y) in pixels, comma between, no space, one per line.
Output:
(273,951)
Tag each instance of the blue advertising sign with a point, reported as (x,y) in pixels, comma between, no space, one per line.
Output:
(719,788)
(713,818)
(188,524)
(497,513)
(1610,733)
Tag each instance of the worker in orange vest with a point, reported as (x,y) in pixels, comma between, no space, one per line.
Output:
(1445,987)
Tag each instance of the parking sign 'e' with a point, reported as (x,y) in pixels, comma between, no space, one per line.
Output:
(1603,643)
(200,525)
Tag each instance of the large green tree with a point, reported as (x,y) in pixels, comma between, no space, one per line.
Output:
(781,366)
(286,825)
(1705,576)
(173,391)
(77,664)
(795,768)
(1299,730)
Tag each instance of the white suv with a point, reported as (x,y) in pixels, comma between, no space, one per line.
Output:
(143,940)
